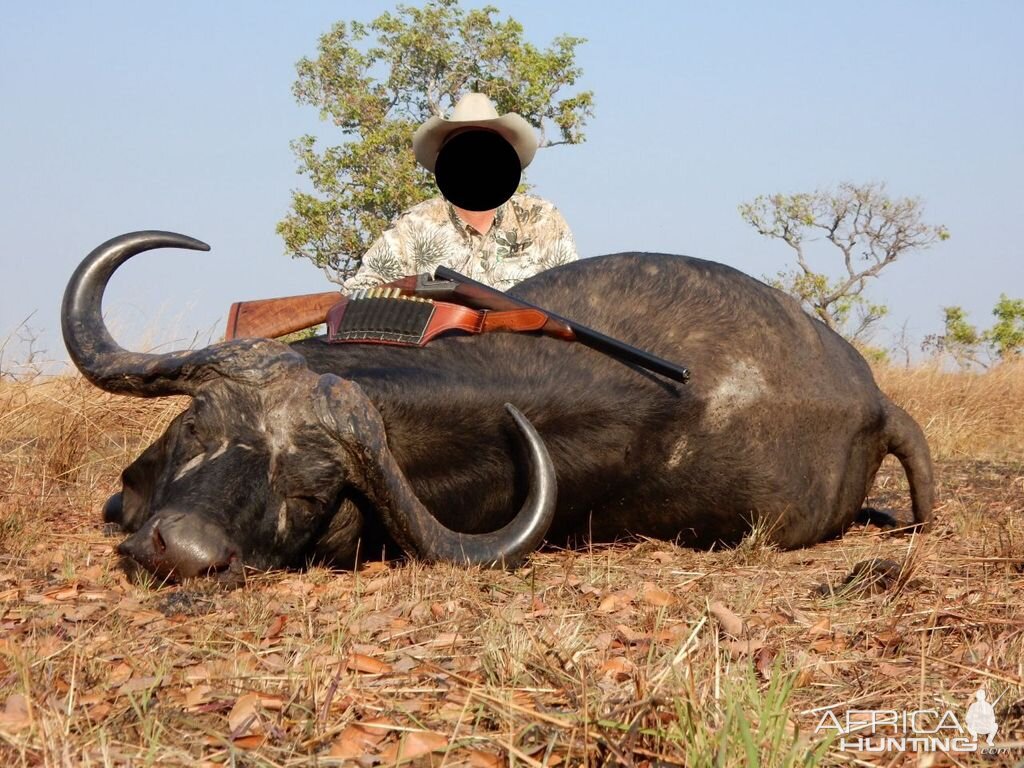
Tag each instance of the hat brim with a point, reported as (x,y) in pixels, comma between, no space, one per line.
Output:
(430,136)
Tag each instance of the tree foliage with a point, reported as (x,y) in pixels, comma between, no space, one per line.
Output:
(377,82)
(870,229)
(968,346)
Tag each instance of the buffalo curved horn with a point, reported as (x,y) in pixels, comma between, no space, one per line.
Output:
(408,521)
(101,360)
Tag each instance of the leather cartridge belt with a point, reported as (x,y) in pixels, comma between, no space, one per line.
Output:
(384,316)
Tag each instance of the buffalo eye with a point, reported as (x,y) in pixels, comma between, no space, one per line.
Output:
(195,432)
(305,509)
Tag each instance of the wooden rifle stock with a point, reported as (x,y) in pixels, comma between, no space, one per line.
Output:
(270,318)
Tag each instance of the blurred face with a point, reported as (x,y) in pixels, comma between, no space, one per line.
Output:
(477,170)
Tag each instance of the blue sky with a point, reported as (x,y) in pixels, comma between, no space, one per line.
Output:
(120,116)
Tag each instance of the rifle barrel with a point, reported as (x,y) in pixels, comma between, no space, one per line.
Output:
(588,337)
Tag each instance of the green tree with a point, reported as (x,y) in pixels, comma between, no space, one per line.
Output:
(870,229)
(1006,336)
(968,346)
(377,82)
(960,340)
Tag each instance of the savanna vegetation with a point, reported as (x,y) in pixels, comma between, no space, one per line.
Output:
(641,653)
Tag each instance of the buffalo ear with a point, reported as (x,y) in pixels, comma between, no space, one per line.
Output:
(358,439)
(355,425)
(339,545)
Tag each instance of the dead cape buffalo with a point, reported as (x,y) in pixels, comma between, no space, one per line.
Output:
(289,454)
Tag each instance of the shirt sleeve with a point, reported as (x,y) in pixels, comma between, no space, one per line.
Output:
(384,261)
(560,243)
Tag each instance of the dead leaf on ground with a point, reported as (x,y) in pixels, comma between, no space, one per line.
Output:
(137,684)
(98,712)
(764,661)
(630,635)
(197,673)
(731,623)
(68,592)
(79,613)
(91,573)
(549,761)
(448,639)
(413,745)
(893,670)
(374,567)
(374,586)
(16,713)
(618,668)
(356,740)
(652,595)
(359,662)
(671,634)
(276,626)
(141,617)
(243,720)
(615,602)
(196,696)
(480,759)
(827,645)
(820,627)
(888,640)
(120,674)
(738,649)
(253,741)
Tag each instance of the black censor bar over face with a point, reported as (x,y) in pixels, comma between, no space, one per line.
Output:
(477,170)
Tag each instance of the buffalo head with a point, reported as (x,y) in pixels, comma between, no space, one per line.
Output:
(266,462)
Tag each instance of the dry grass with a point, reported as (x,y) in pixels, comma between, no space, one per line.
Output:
(646,654)
(62,444)
(979,415)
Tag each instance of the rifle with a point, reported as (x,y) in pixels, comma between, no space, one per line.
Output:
(276,317)
(477,295)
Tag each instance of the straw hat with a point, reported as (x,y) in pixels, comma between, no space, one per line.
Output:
(474,110)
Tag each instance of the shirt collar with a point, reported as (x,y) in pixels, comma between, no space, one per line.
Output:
(466,230)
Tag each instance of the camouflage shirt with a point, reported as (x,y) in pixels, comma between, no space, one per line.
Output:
(528,235)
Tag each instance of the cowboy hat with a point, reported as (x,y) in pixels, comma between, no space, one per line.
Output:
(474,110)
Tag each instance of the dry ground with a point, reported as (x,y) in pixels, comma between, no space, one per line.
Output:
(643,654)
